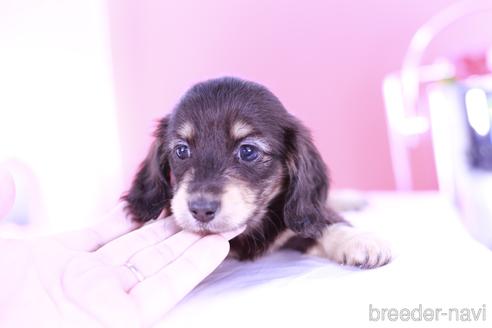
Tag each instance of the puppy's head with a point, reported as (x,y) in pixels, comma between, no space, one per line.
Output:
(227,150)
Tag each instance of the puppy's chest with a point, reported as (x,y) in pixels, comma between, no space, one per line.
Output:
(253,245)
(250,246)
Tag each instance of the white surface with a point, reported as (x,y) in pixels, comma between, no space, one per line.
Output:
(436,264)
(58,124)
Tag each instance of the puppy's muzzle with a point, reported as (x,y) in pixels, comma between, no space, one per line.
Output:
(203,209)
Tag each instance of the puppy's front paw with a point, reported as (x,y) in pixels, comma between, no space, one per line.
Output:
(349,246)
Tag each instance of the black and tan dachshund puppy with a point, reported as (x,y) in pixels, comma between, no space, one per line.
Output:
(230,155)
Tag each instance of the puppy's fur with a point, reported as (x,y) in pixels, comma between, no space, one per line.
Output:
(230,155)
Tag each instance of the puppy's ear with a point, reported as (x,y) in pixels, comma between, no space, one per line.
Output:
(305,210)
(151,191)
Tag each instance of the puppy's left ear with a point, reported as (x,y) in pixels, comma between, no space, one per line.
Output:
(151,190)
(305,210)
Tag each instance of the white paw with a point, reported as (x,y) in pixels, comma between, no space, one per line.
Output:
(349,246)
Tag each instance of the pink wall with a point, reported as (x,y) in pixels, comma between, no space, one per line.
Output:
(324,59)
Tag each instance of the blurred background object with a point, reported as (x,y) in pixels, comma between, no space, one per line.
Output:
(7,192)
(451,100)
(58,127)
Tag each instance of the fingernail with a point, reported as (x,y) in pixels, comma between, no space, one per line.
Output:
(231,234)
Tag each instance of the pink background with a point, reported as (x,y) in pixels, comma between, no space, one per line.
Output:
(324,59)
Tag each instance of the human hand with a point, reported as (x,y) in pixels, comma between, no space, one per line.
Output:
(114,274)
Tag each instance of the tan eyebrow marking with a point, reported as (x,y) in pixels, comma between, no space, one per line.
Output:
(240,130)
(258,142)
(186,131)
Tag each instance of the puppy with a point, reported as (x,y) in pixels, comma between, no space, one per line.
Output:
(229,156)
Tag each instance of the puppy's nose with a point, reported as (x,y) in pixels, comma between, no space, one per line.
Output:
(203,209)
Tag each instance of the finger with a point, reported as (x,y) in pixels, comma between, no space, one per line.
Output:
(114,225)
(85,280)
(156,295)
(152,259)
(7,192)
(234,233)
(118,251)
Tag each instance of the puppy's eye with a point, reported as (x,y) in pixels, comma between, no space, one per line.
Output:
(183,152)
(248,153)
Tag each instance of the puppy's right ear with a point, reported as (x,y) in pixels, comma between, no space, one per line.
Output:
(151,191)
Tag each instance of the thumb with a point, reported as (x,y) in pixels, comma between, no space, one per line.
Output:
(7,192)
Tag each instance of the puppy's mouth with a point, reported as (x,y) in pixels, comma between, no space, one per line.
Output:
(204,213)
(220,224)
(208,228)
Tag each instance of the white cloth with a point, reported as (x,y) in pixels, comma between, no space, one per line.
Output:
(436,265)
